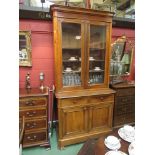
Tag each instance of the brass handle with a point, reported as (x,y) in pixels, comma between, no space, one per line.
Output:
(31,114)
(30,103)
(31,126)
(124,99)
(33,138)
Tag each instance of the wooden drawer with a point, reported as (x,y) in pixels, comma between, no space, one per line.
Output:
(125,100)
(35,124)
(32,101)
(33,113)
(130,108)
(34,137)
(130,118)
(120,110)
(125,91)
(124,119)
(119,120)
(101,98)
(73,101)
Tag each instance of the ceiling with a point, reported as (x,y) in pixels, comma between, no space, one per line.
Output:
(122,6)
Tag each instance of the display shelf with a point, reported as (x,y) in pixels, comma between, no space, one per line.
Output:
(96,60)
(71,72)
(71,48)
(93,71)
(68,61)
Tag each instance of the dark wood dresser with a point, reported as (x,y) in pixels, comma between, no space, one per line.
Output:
(33,105)
(124,107)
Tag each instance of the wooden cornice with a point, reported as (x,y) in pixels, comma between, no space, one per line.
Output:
(77,10)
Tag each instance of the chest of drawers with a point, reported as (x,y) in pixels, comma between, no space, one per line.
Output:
(124,107)
(33,105)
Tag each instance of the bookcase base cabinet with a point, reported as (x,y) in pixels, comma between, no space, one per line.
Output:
(85,117)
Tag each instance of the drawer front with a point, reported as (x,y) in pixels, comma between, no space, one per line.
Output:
(119,120)
(124,119)
(124,105)
(125,91)
(101,98)
(35,124)
(32,113)
(73,101)
(36,137)
(32,101)
(130,118)
(121,110)
(121,100)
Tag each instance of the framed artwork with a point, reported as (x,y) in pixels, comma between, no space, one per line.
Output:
(25,55)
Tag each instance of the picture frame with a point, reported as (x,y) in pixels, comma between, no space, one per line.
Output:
(25,53)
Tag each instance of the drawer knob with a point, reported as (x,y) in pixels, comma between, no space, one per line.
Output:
(102,98)
(75,101)
(27,124)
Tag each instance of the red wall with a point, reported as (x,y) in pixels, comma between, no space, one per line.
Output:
(42,52)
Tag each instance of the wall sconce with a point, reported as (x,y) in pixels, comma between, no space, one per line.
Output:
(41,77)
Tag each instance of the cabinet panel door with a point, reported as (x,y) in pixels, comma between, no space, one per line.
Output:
(74,121)
(72,54)
(100,116)
(97,54)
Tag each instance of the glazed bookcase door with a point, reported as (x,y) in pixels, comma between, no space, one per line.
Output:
(72,54)
(97,55)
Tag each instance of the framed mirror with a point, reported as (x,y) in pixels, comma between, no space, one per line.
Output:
(118,48)
(25,48)
(121,59)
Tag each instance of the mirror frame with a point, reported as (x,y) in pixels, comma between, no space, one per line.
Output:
(25,51)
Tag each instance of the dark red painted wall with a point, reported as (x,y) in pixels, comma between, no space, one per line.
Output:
(43,53)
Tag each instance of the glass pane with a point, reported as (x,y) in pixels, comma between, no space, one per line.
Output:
(97,54)
(71,54)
